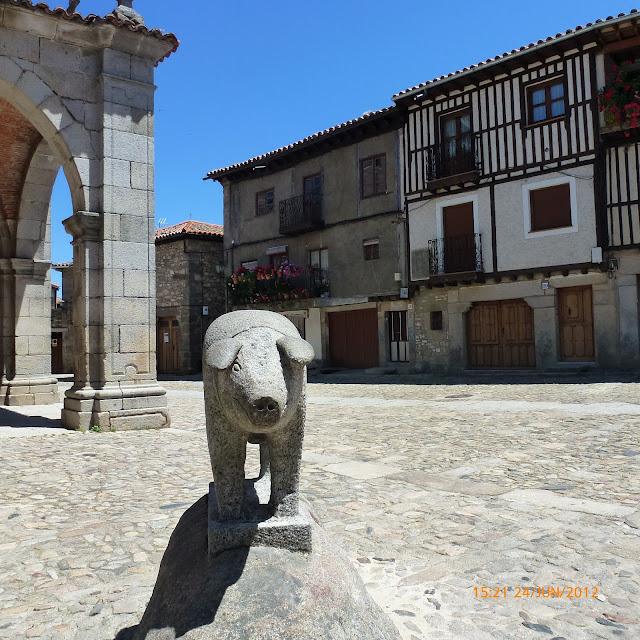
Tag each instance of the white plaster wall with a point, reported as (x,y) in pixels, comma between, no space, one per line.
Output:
(517,251)
(423,222)
(313,332)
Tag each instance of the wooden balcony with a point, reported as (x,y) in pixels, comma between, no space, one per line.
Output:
(443,170)
(300,214)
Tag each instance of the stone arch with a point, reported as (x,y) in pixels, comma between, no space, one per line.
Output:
(33,228)
(25,90)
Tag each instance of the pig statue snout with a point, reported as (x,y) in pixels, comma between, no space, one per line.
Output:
(266,411)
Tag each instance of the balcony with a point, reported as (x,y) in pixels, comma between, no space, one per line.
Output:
(444,170)
(300,214)
(458,254)
(277,284)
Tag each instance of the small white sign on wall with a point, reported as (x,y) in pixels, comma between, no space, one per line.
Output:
(404,293)
(166,338)
(205,311)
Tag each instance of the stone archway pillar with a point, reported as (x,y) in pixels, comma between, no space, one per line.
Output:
(26,333)
(115,384)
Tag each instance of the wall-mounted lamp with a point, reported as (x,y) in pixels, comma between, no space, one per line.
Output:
(612,267)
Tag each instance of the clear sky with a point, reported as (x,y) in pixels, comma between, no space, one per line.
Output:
(254,75)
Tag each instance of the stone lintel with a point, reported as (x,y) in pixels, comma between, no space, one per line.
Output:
(257,528)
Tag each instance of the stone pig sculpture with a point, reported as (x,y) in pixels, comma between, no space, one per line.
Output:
(254,373)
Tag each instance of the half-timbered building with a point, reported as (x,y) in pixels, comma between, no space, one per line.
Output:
(522,208)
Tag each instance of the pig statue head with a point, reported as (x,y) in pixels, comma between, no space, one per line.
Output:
(258,360)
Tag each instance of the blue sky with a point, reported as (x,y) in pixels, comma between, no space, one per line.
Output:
(253,75)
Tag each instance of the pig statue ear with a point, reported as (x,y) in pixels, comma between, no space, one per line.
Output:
(221,354)
(296,349)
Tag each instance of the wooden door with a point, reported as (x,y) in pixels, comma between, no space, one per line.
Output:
(575,315)
(500,335)
(353,338)
(459,245)
(168,345)
(57,362)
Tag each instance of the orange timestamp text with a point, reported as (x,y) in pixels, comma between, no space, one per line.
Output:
(567,592)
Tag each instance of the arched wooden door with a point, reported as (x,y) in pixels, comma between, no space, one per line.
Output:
(500,335)
(168,345)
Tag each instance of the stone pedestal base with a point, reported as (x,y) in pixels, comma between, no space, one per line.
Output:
(21,392)
(116,407)
(258,528)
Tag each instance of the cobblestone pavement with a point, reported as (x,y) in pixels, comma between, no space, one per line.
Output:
(433,491)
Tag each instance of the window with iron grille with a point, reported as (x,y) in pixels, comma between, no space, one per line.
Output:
(373,176)
(546,101)
(264,202)
(371,249)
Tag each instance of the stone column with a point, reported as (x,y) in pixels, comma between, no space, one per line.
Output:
(26,333)
(457,329)
(545,328)
(628,307)
(114,293)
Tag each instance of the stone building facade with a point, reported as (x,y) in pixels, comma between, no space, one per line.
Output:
(190,292)
(319,224)
(77,95)
(522,205)
(62,323)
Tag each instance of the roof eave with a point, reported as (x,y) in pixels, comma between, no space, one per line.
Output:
(483,66)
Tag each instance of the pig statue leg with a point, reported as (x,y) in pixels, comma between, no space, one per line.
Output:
(285,451)
(228,453)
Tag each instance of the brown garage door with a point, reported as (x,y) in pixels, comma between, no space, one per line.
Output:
(575,312)
(500,335)
(353,338)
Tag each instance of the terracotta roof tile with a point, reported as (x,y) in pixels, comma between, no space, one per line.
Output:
(596,24)
(92,19)
(190,228)
(314,137)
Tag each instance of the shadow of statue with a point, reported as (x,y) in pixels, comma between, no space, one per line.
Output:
(190,585)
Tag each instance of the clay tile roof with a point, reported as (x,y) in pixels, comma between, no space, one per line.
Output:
(309,140)
(596,24)
(190,228)
(92,19)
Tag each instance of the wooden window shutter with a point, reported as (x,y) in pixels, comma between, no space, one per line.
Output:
(550,207)
(380,174)
(367,177)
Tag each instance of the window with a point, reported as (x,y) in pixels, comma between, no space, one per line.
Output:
(312,185)
(550,207)
(319,259)
(435,319)
(371,249)
(250,265)
(373,176)
(546,101)
(278,259)
(457,143)
(264,202)
(319,272)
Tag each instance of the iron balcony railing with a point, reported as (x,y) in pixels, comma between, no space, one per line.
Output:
(457,254)
(301,213)
(441,164)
